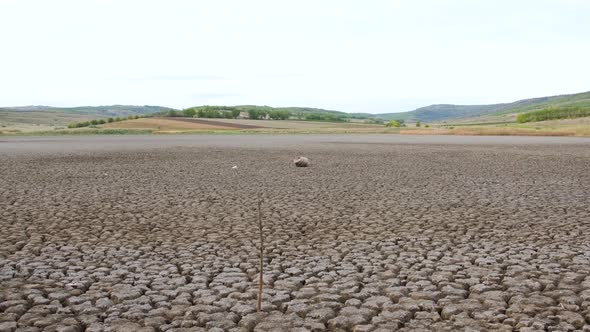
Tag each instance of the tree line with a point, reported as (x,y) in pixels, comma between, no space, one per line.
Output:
(96,122)
(253,112)
(554,113)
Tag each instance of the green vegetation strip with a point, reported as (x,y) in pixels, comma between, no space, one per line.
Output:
(265,112)
(554,113)
(97,122)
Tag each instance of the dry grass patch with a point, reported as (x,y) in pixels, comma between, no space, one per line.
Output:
(491,131)
(510,132)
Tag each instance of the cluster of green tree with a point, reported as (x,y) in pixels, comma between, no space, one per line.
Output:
(279,115)
(210,109)
(395,123)
(256,114)
(325,117)
(264,112)
(203,113)
(96,122)
(553,113)
(228,112)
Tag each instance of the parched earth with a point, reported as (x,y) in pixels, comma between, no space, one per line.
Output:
(380,234)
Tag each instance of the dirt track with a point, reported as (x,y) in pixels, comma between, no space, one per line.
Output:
(382,233)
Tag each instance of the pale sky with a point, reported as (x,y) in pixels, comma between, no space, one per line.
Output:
(354,56)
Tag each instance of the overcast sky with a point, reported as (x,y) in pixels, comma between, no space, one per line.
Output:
(355,56)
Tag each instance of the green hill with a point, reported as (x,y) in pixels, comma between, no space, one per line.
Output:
(91,111)
(34,118)
(444,112)
(52,117)
(306,110)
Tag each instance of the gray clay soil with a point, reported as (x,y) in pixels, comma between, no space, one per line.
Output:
(380,234)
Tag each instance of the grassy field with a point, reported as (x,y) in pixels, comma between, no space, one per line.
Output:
(26,121)
(564,127)
(41,118)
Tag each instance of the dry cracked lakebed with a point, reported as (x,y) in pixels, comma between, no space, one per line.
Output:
(382,233)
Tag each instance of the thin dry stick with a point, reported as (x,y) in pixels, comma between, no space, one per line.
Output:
(259,305)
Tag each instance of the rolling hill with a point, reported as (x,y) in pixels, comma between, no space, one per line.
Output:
(92,111)
(443,112)
(34,118)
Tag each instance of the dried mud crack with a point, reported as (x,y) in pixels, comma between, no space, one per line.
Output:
(372,237)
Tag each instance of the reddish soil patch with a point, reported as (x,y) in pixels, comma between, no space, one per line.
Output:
(218,123)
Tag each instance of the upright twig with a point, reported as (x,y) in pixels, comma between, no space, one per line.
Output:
(259,305)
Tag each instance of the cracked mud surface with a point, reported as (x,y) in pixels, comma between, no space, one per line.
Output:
(372,237)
